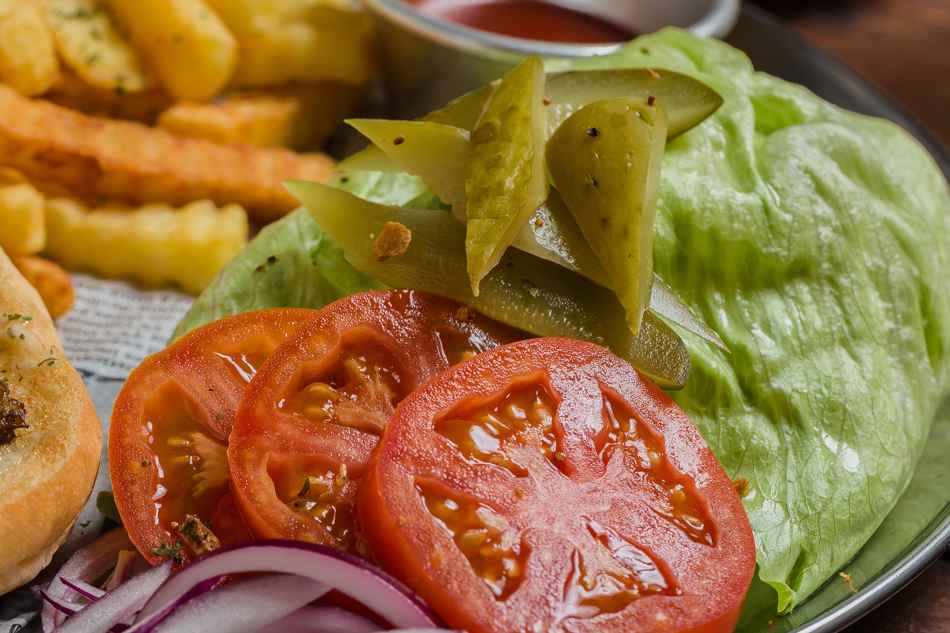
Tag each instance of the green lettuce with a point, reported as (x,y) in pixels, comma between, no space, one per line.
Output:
(813,240)
(292,263)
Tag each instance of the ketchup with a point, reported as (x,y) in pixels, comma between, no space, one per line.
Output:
(527,19)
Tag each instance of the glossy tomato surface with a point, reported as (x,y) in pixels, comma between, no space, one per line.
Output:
(546,486)
(170,424)
(313,413)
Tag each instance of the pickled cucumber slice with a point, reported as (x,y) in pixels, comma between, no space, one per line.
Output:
(605,162)
(687,101)
(504,178)
(435,152)
(463,112)
(528,293)
(551,233)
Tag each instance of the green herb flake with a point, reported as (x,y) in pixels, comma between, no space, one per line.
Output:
(170,551)
(530,287)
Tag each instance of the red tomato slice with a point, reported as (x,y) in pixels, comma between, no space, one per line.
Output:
(311,417)
(170,424)
(547,486)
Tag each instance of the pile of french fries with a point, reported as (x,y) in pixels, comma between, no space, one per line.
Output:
(144,138)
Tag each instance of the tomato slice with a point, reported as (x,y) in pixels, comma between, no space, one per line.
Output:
(547,486)
(313,414)
(170,423)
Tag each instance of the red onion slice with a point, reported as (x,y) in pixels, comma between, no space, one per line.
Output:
(243,606)
(352,576)
(61,605)
(321,618)
(84,589)
(118,604)
(87,564)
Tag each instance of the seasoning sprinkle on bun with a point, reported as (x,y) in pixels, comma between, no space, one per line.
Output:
(50,436)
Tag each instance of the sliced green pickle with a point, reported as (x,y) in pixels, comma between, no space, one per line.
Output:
(504,178)
(552,233)
(463,112)
(687,101)
(666,303)
(370,158)
(525,292)
(435,152)
(605,162)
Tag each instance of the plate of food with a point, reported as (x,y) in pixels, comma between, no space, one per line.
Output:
(351,380)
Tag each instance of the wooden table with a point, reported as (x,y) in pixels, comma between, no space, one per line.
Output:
(903,48)
(900,46)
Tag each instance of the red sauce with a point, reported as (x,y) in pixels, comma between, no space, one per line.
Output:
(528,19)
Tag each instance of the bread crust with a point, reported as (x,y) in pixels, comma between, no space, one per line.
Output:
(48,471)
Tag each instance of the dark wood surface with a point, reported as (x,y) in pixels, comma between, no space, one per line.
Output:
(903,48)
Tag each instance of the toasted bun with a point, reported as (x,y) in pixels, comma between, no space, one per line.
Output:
(48,470)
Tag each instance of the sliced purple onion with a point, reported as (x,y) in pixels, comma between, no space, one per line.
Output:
(428,630)
(60,605)
(243,606)
(352,576)
(321,618)
(87,564)
(84,589)
(118,604)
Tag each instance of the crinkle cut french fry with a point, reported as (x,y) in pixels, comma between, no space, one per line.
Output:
(246,17)
(51,280)
(300,117)
(322,43)
(139,164)
(92,45)
(22,216)
(28,59)
(184,41)
(156,245)
(72,92)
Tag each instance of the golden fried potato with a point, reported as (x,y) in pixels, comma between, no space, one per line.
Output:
(324,43)
(72,92)
(247,17)
(28,59)
(300,118)
(184,41)
(126,160)
(92,45)
(50,280)
(22,217)
(155,244)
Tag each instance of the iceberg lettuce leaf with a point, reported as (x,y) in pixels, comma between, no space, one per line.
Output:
(815,242)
